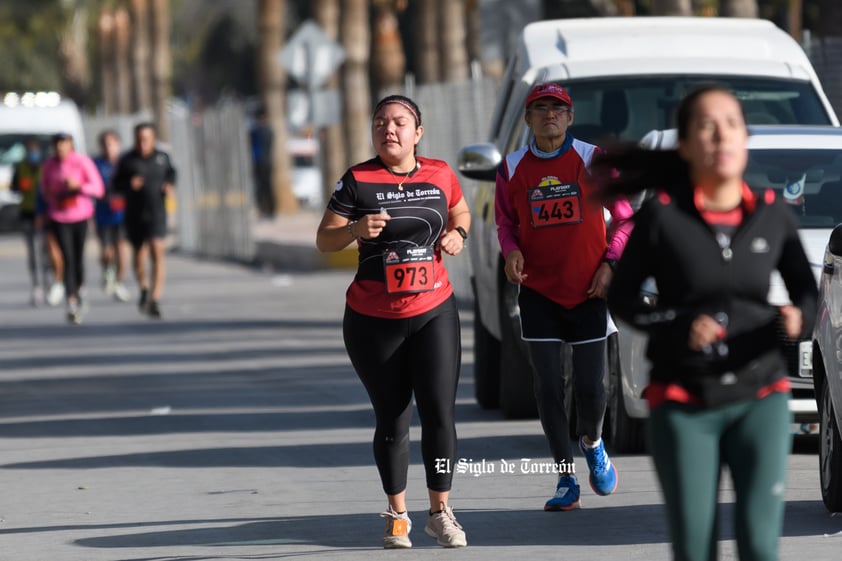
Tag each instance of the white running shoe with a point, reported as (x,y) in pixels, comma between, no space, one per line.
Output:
(56,294)
(121,293)
(398,526)
(442,526)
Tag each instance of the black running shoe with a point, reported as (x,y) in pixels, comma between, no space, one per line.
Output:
(153,310)
(141,304)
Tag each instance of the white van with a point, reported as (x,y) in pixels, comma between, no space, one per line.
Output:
(38,114)
(626,77)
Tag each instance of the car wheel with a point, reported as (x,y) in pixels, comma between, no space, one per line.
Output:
(624,433)
(517,394)
(486,364)
(830,453)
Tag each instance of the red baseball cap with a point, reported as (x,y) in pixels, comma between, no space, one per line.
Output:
(549,89)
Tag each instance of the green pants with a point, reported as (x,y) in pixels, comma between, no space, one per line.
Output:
(689,445)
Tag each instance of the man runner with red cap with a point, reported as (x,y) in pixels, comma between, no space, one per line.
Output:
(553,237)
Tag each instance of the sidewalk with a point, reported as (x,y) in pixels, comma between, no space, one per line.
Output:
(288,242)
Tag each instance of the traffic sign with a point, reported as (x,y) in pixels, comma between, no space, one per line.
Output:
(311,56)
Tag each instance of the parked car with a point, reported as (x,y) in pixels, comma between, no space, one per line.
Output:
(804,166)
(827,370)
(306,171)
(625,76)
(41,115)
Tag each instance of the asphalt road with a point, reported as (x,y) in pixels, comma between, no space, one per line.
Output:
(236,429)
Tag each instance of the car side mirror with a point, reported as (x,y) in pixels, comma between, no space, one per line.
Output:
(835,243)
(479,161)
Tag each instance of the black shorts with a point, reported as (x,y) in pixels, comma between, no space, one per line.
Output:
(143,232)
(544,320)
(109,234)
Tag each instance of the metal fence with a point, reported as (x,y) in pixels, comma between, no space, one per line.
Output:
(826,55)
(211,214)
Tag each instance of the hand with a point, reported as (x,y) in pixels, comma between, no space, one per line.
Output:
(72,185)
(371,225)
(792,321)
(601,279)
(704,331)
(514,267)
(136,182)
(452,243)
(167,188)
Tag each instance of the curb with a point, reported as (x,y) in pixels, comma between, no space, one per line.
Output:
(302,258)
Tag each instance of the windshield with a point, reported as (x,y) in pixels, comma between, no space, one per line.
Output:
(629,107)
(809,180)
(13,147)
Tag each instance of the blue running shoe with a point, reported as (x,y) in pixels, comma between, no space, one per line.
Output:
(603,477)
(566,494)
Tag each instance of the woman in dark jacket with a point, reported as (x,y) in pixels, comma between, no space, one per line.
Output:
(718,388)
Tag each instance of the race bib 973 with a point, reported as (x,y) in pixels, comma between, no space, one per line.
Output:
(409,270)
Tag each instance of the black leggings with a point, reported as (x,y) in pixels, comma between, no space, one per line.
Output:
(71,240)
(395,358)
(588,389)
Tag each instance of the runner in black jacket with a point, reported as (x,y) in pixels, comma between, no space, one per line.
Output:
(719,389)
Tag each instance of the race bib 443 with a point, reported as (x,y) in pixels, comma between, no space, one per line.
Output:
(555,204)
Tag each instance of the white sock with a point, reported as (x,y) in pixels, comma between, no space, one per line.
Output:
(596,443)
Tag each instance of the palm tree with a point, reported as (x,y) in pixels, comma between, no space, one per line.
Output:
(141,52)
(161,65)
(334,160)
(672,8)
(354,33)
(453,54)
(830,23)
(272,78)
(73,53)
(107,41)
(426,40)
(123,59)
(738,8)
(388,62)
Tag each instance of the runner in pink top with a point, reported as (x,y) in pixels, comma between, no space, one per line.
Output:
(69,180)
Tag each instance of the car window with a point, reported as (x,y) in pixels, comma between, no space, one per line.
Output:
(808,180)
(629,107)
(13,147)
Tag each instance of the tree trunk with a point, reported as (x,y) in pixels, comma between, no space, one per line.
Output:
(140,55)
(388,62)
(333,153)
(161,66)
(123,60)
(472,30)
(270,21)
(73,47)
(830,23)
(738,8)
(426,40)
(107,60)
(354,32)
(453,53)
(671,8)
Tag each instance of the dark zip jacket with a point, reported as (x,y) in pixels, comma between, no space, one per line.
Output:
(672,243)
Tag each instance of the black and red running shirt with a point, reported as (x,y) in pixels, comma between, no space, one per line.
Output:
(419,215)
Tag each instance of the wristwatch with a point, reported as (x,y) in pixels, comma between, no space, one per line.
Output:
(611,263)
(461,231)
